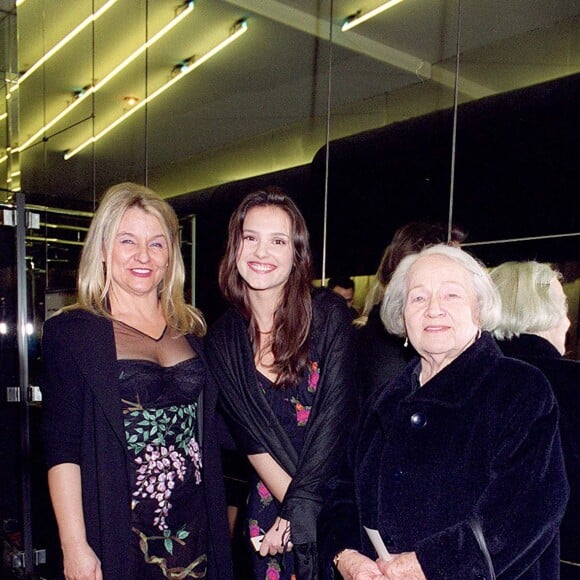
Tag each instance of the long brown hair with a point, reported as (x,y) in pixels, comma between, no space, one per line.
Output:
(293,315)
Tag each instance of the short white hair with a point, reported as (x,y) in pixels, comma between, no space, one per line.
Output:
(487,295)
(528,303)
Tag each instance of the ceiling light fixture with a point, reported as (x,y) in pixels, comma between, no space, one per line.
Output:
(131,101)
(180,72)
(84,93)
(3,116)
(360,17)
(75,32)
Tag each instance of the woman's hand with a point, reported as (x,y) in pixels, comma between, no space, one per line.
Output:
(403,566)
(277,538)
(80,562)
(352,565)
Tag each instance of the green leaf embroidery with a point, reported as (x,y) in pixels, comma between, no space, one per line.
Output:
(169,546)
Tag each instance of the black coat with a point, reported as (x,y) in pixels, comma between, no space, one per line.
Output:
(257,430)
(564,376)
(380,356)
(83,424)
(477,445)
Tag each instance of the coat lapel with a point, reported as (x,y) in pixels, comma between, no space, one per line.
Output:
(95,351)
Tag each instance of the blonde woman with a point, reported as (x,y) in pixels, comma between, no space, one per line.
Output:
(128,407)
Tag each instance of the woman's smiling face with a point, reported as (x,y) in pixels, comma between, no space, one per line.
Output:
(441,315)
(266,254)
(139,255)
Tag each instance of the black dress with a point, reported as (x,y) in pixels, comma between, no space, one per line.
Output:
(292,407)
(160,381)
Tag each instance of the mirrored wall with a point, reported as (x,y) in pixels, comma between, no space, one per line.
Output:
(457,111)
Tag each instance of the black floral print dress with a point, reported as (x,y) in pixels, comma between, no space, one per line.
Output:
(292,409)
(160,382)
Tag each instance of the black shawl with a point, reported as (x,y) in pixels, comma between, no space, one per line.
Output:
(257,430)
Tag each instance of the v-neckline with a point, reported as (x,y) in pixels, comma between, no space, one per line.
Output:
(143,333)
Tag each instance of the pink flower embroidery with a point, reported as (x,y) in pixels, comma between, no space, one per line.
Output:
(264,493)
(273,570)
(313,377)
(302,412)
(254,528)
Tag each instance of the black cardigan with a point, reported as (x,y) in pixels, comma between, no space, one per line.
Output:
(564,376)
(83,424)
(257,430)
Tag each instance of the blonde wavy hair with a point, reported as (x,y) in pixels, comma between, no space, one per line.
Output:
(94,279)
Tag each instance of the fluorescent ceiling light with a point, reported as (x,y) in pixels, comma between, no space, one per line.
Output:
(181,72)
(3,116)
(360,17)
(188,7)
(63,42)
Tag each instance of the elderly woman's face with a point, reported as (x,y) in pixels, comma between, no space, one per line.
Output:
(441,308)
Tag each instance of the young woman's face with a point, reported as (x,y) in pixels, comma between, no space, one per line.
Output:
(140,255)
(266,254)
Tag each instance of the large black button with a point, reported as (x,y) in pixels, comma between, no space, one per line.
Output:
(418,420)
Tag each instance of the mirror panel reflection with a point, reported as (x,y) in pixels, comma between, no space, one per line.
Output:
(367,128)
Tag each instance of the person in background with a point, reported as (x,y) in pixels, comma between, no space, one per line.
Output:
(382,356)
(458,464)
(283,358)
(533,328)
(129,407)
(344,286)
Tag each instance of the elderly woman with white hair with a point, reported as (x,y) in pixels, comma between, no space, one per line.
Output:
(457,464)
(533,328)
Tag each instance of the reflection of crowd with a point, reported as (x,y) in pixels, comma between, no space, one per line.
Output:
(436,437)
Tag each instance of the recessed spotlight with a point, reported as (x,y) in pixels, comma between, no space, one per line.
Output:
(131,101)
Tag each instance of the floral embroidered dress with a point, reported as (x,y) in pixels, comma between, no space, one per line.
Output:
(161,380)
(292,409)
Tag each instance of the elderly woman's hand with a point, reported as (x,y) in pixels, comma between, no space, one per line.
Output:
(354,566)
(403,566)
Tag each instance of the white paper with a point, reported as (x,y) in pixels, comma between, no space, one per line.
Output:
(256,541)
(377,542)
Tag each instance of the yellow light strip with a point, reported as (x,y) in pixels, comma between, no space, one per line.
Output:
(93,89)
(64,42)
(359,17)
(187,68)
